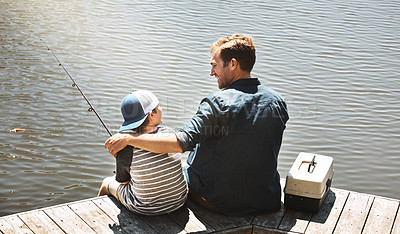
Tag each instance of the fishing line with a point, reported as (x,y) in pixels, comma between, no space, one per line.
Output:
(74,84)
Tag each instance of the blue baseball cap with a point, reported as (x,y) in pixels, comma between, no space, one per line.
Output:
(136,107)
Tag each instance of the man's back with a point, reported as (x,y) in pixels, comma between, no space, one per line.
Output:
(238,132)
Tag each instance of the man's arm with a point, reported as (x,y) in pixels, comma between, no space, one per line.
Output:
(201,126)
(157,143)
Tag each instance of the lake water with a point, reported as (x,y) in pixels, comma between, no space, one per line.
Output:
(335,62)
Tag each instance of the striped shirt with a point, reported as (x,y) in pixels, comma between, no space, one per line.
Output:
(157,184)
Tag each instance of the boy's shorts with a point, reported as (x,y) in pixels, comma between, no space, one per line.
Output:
(113,186)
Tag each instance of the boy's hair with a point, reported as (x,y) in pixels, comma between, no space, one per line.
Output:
(145,123)
(238,46)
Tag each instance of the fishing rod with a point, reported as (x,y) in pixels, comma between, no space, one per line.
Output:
(74,84)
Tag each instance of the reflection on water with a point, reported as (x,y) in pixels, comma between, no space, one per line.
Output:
(335,63)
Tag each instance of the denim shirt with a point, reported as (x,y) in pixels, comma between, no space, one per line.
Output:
(235,138)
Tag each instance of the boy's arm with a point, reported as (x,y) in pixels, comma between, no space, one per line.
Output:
(123,165)
(157,143)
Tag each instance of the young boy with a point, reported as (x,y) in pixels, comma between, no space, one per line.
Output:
(145,182)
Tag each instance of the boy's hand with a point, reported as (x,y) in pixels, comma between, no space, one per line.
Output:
(116,143)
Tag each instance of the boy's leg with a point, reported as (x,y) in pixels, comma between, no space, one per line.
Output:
(109,186)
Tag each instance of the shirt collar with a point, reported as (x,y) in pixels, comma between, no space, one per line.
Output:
(245,82)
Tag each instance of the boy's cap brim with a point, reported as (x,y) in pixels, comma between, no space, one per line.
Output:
(128,125)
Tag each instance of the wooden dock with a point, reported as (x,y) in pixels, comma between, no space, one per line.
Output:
(343,212)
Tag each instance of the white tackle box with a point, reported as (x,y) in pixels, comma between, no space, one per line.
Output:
(308,182)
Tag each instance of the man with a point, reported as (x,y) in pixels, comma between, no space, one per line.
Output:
(235,136)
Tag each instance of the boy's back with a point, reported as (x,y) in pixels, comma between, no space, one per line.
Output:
(157,184)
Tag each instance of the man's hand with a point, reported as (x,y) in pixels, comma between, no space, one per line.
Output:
(117,142)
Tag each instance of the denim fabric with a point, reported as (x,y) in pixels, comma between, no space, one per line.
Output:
(235,138)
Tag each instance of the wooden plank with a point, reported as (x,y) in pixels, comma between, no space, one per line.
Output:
(381,216)
(215,220)
(263,230)
(67,220)
(108,206)
(112,211)
(123,218)
(295,221)
(242,221)
(39,222)
(354,213)
(240,230)
(13,224)
(324,221)
(93,216)
(359,212)
(163,224)
(270,220)
(396,225)
(188,220)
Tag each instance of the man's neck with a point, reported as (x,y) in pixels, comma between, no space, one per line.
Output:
(242,75)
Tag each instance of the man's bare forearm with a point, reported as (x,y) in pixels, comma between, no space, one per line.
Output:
(157,143)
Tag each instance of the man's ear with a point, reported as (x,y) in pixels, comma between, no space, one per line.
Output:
(234,64)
